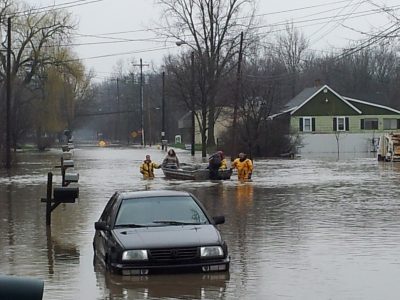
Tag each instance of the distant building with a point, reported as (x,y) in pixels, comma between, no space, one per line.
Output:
(223,123)
(323,118)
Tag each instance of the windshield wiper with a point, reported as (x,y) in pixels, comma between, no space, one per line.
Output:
(177,223)
(129,226)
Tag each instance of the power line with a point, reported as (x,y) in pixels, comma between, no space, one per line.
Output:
(336,22)
(115,54)
(48,8)
(257,15)
(344,17)
(109,42)
(349,15)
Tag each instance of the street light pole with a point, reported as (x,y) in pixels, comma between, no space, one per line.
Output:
(237,98)
(193,106)
(193,113)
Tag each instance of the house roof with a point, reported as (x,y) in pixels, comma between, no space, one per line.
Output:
(301,97)
(309,93)
(356,102)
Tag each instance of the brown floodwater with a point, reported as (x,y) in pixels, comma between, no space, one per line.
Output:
(310,228)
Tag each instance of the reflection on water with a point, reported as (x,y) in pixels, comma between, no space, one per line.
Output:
(310,228)
(175,286)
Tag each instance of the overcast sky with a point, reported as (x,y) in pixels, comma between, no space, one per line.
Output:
(328,24)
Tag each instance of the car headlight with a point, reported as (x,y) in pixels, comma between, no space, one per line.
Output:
(135,255)
(211,251)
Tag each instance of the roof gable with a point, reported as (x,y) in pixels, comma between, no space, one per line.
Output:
(326,88)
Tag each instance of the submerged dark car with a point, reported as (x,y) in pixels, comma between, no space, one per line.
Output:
(140,233)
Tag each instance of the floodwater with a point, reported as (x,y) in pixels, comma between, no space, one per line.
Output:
(310,228)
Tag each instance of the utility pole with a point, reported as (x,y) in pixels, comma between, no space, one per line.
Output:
(8,100)
(118,135)
(141,103)
(237,98)
(141,65)
(163,137)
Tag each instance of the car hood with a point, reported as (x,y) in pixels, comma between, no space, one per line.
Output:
(167,236)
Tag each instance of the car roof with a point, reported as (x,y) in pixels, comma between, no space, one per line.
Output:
(155,193)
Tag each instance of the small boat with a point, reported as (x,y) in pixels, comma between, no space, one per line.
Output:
(194,172)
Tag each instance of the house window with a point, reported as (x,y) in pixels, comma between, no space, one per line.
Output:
(307,124)
(369,124)
(340,124)
(391,123)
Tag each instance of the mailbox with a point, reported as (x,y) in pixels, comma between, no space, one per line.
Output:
(65,194)
(18,288)
(71,177)
(65,148)
(67,155)
(68,163)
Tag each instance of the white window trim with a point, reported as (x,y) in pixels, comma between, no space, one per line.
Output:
(304,124)
(344,123)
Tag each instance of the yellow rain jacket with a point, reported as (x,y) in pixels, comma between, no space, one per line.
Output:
(244,168)
(223,165)
(147,169)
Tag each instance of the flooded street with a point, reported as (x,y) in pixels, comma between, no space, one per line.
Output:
(310,228)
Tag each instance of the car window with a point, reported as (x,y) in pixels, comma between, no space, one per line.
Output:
(154,211)
(107,210)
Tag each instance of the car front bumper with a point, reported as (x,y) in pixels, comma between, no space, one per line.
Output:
(221,265)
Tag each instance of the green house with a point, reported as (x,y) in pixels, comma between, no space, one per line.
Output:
(323,119)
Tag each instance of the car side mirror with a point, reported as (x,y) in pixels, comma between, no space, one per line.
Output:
(101,226)
(219,220)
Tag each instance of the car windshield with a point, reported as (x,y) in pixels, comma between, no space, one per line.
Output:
(160,211)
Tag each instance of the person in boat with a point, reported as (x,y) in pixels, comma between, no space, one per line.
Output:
(244,166)
(216,162)
(147,168)
(171,160)
(224,164)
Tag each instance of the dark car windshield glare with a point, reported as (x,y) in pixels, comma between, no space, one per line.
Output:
(160,211)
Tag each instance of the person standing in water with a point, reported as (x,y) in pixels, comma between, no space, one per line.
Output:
(147,168)
(244,166)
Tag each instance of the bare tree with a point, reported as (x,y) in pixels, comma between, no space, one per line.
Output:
(211,28)
(291,47)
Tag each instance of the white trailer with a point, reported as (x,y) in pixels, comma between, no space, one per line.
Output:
(389,147)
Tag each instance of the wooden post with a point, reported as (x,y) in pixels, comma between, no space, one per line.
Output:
(163,137)
(62,172)
(48,198)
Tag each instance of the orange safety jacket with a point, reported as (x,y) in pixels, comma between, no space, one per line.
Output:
(244,168)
